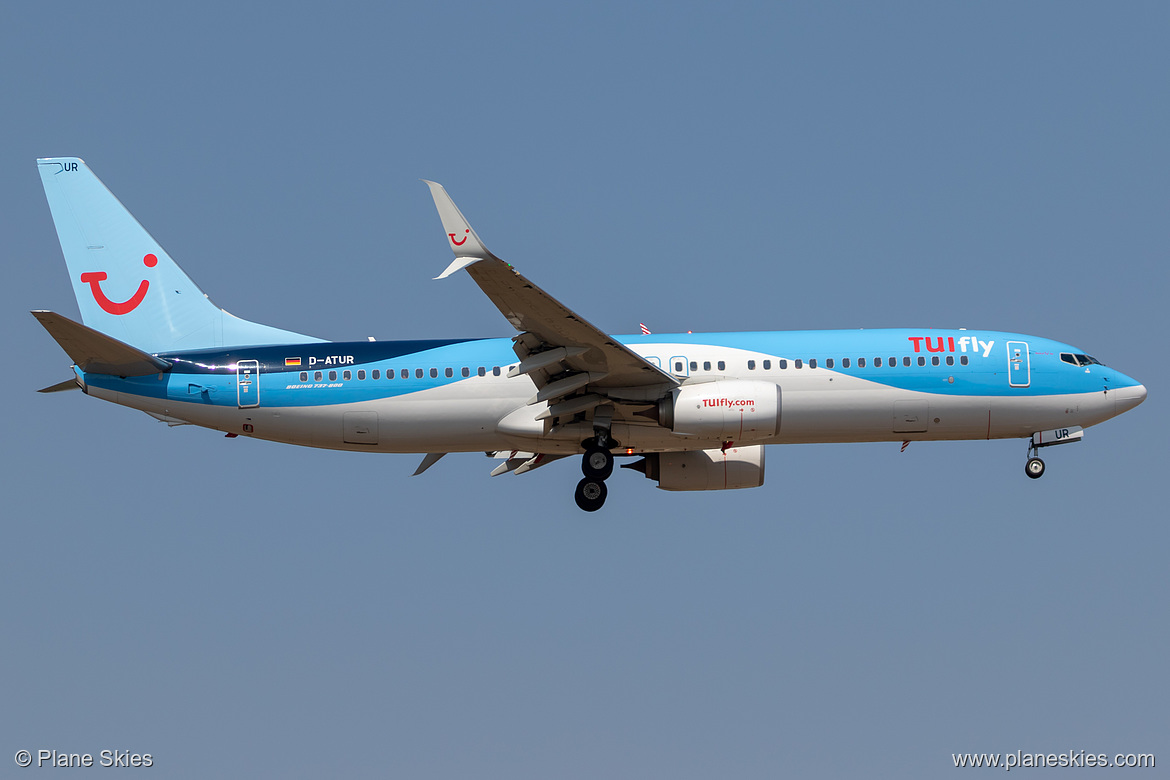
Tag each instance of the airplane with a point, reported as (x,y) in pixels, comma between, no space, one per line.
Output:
(696,409)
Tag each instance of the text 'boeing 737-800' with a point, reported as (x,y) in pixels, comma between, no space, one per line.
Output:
(695,409)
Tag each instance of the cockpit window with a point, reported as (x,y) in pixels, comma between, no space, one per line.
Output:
(1079,360)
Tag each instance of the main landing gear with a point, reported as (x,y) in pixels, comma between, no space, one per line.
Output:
(596,465)
(590,494)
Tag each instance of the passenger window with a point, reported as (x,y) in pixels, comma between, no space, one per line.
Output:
(828,362)
(950,360)
(963,360)
(877,362)
(812,363)
(921,361)
(906,362)
(495,370)
(466,371)
(861,362)
(751,365)
(845,362)
(783,364)
(332,376)
(678,367)
(481,371)
(767,365)
(893,362)
(798,363)
(418,373)
(706,365)
(934,360)
(721,366)
(317,376)
(434,373)
(378,374)
(347,375)
(304,376)
(449,373)
(694,365)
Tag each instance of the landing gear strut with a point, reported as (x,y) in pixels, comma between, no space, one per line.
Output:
(597,464)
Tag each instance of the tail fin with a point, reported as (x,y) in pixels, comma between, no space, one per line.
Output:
(126,285)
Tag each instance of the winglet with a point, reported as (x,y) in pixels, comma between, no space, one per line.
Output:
(461,238)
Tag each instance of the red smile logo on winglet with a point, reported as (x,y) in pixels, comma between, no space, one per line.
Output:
(95,278)
(459,243)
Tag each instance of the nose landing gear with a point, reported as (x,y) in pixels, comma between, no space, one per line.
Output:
(1034,468)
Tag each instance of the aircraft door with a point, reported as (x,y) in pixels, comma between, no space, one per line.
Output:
(910,417)
(1019,364)
(360,427)
(247,383)
(679,366)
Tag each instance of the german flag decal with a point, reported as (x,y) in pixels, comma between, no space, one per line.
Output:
(292,362)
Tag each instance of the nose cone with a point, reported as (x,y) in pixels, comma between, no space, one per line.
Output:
(1127,398)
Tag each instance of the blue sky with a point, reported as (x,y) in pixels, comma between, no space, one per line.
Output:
(234,606)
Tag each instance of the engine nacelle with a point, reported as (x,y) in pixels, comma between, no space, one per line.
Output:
(735,409)
(736,467)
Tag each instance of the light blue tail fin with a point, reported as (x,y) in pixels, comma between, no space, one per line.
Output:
(126,285)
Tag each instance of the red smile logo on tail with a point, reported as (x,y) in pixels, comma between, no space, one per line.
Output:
(95,278)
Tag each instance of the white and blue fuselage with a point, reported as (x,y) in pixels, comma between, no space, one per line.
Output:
(455,396)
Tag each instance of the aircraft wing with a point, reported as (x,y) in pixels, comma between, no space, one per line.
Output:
(561,350)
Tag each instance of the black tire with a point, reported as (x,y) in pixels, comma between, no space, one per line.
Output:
(1034,468)
(597,463)
(590,494)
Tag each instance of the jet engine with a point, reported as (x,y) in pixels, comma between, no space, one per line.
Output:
(735,467)
(735,409)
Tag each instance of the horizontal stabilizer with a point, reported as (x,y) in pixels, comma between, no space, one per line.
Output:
(97,353)
(431,459)
(68,384)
